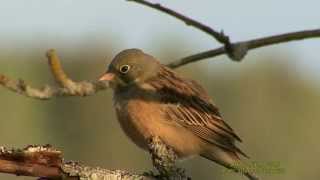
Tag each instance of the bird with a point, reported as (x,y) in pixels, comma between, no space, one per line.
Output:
(152,100)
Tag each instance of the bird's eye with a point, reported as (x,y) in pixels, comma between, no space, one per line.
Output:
(124,69)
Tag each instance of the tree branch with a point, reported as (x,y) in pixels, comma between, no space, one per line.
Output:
(38,161)
(235,51)
(219,36)
(244,46)
(58,73)
(46,162)
(67,86)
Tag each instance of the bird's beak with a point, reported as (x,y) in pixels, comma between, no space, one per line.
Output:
(108,76)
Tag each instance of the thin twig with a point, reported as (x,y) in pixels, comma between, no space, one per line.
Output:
(219,36)
(248,45)
(235,51)
(68,86)
(58,73)
(85,88)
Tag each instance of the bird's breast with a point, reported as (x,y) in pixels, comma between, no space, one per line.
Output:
(138,119)
(143,118)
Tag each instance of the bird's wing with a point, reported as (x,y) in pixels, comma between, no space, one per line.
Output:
(188,104)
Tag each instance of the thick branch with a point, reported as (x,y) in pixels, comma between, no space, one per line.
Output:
(46,162)
(38,161)
(248,45)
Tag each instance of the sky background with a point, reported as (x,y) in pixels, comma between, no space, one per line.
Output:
(67,23)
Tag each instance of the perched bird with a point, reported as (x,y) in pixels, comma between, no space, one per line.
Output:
(152,100)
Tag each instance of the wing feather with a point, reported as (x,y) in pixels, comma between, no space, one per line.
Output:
(189,104)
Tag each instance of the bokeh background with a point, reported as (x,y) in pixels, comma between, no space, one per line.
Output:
(271,99)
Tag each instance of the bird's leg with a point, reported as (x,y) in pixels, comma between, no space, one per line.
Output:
(164,158)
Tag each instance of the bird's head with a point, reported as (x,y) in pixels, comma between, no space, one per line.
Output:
(130,67)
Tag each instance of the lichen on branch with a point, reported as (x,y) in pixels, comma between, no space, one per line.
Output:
(67,87)
(47,162)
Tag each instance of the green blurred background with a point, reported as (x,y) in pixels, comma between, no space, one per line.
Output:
(271,99)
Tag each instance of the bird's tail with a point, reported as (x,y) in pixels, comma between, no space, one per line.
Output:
(229,160)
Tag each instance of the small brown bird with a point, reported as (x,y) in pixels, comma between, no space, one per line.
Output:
(151,100)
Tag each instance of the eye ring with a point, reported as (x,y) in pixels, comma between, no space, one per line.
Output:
(124,68)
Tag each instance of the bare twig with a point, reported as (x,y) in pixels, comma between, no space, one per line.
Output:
(219,36)
(248,45)
(235,51)
(58,73)
(85,88)
(73,88)
(68,86)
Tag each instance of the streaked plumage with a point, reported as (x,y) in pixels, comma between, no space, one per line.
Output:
(152,100)
(189,104)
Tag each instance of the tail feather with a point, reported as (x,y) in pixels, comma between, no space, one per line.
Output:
(228,160)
